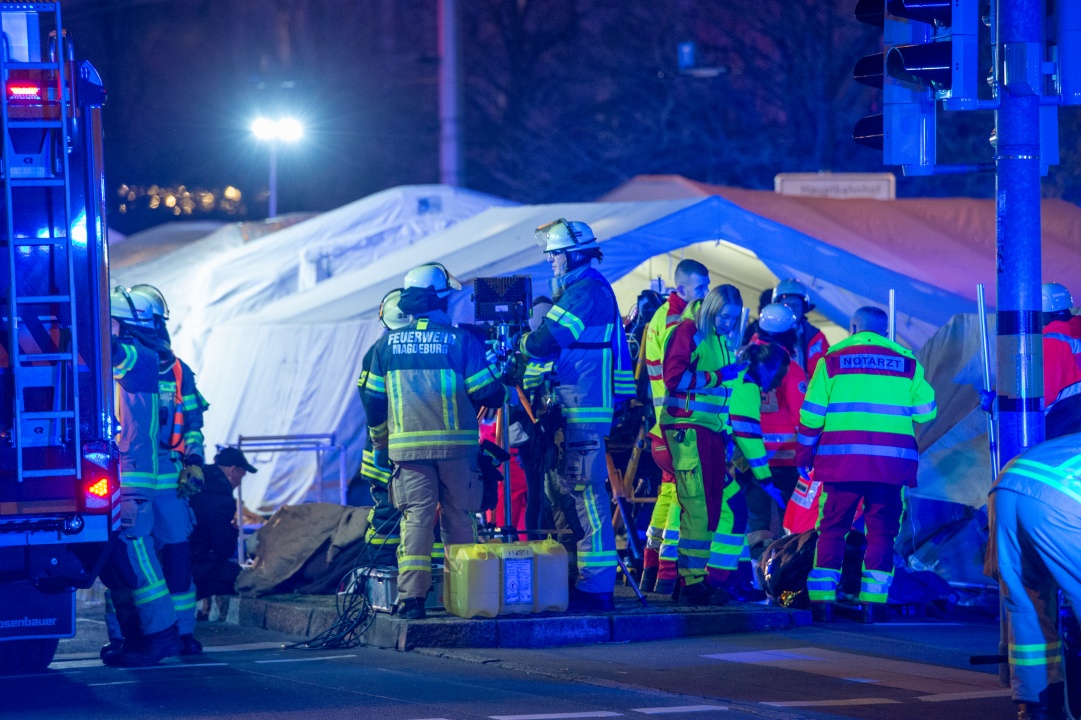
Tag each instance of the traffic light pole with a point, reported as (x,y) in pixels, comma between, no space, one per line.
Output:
(1020,327)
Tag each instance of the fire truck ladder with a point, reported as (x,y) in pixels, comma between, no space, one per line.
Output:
(34,365)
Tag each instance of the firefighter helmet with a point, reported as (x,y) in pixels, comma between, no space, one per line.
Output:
(390,312)
(132,308)
(432,276)
(1055,297)
(776,318)
(562,235)
(157,300)
(791,286)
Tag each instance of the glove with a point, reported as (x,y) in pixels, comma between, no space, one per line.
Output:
(731,372)
(381,458)
(192,459)
(805,473)
(190,481)
(987,400)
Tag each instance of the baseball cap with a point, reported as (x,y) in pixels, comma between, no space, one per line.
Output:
(235,457)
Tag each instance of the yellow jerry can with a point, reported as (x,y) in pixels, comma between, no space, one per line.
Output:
(471,581)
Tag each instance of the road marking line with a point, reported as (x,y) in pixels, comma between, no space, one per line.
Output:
(558,716)
(118,682)
(678,709)
(827,703)
(246,646)
(946,697)
(176,666)
(311,659)
(920,678)
(859,680)
(917,624)
(32,675)
(762,656)
(68,664)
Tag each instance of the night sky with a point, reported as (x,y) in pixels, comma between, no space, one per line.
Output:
(561,99)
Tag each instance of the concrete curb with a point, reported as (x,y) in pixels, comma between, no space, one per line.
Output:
(309,615)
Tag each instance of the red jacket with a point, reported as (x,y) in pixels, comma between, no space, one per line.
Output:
(813,349)
(1061,367)
(780,417)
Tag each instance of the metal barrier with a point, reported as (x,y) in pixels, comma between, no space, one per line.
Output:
(319,444)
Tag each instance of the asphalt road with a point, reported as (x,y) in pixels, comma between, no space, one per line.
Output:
(844,670)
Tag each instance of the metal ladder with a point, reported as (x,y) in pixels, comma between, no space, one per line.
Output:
(32,366)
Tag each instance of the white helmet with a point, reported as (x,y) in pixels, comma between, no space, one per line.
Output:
(434,276)
(157,300)
(133,308)
(561,235)
(390,313)
(791,286)
(776,318)
(1055,297)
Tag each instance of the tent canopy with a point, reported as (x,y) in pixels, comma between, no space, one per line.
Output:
(291,367)
(947,243)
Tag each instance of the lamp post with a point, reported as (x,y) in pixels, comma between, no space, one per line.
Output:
(273,132)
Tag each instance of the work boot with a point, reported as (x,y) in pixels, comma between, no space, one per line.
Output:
(822,612)
(649,579)
(745,592)
(1050,706)
(875,613)
(154,648)
(113,646)
(589,602)
(412,609)
(700,594)
(189,645)
(664,587)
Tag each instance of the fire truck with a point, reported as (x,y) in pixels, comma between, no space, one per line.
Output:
(59,485)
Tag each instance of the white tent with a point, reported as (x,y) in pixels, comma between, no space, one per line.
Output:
(291,367)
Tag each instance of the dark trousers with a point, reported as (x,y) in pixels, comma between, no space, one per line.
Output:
(882,507)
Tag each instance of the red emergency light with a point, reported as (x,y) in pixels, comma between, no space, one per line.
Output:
(23,91)
(100,488)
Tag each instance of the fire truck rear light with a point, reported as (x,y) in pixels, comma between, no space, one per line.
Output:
(24,91)
(100,488)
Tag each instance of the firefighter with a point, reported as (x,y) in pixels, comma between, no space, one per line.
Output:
(662,536)
(1061,363)
(425,384)
(857,431)
(384,522)
(703,386)
(582,336)
(180,466)
(810,343)
(1035,511)
(781,401)
(139,613)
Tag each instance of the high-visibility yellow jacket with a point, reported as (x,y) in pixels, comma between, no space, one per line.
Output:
(857,420)
(423,388)
(706,389)
(658,331)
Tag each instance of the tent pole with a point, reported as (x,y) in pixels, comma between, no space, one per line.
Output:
(893,316)
(985,349)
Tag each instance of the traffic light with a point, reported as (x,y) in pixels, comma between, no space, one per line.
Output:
(905,130)
(944,57)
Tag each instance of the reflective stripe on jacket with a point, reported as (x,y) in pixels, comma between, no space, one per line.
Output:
(696,394)
(374,473)
(780,417)
(135,372)
(857,420)
(658,331)
(423,388)
(1049,472)
(178,396)
(582,335)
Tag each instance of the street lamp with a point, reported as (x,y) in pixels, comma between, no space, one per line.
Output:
(272,132)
